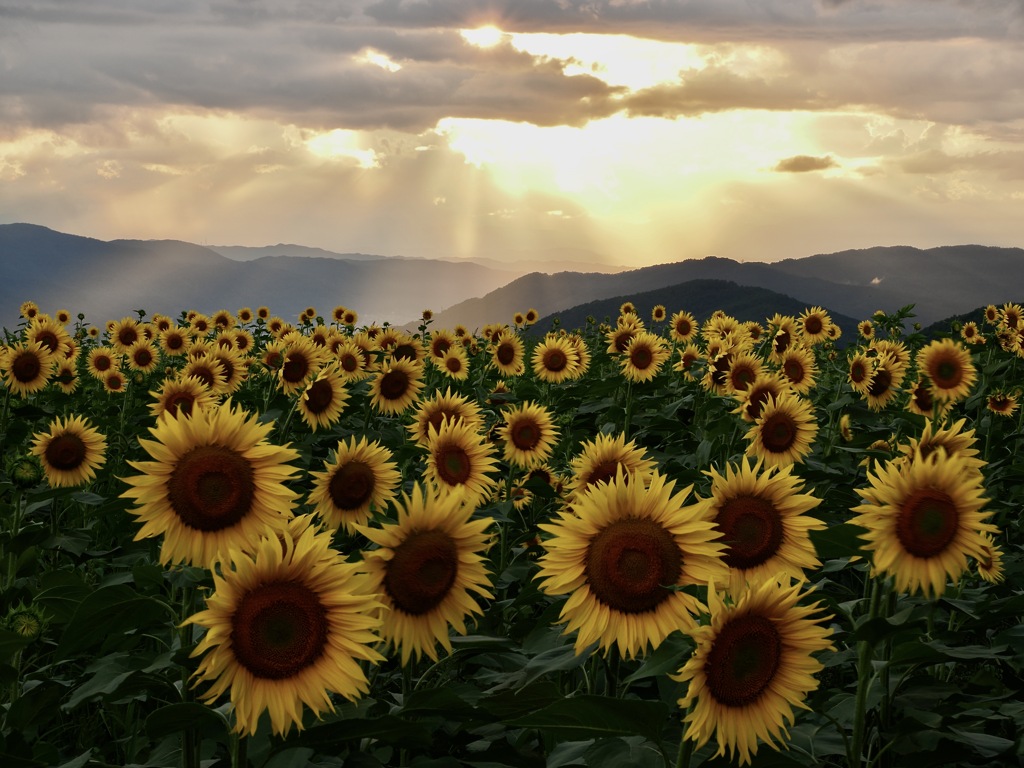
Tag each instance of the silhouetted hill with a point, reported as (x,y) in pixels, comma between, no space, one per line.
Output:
(700,298)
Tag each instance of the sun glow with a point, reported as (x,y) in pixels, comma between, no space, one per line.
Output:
(341,143)
(483,37)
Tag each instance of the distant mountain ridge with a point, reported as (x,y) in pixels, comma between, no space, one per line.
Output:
(111,279)
(938,282)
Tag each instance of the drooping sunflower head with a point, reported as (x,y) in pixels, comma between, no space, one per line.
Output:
(70,452)
(784,432)
(753,664)
(621,556)
(762,515)
(953,439)
(215,482)
(429,570)
(688,357)
(529,435)
(1002,403)
(361,478)
(288,623)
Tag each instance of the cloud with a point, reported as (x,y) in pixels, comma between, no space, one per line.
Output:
(804,164)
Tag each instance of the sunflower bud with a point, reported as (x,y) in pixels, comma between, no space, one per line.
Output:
(25,472)
(25,621)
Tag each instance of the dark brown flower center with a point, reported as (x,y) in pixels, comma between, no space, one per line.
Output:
(422,571)
(778,432)
(506,353)
(279,629)
(631,563)
(394,384)
(174,341)
(453,364)
(454,466)
(49,340)
(641,357)
(742,376)
(928,522)
(813,325)
(683,327)
(66,451)
(881,383)
(127,336)
(946,374)
(858,371)
(296,366)
(752,529)
(404,351)
(179,401)
(525,434)
(352,485)
(603,472)
(211,488)
(555,360)
(349,362)
(439,346)
(743,660)
(794,370)
(319,396)
(26,367)
(781,342)
(142,357)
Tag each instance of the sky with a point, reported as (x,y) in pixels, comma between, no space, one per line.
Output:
(622,131)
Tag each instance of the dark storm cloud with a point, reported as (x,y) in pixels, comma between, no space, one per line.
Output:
(805,164)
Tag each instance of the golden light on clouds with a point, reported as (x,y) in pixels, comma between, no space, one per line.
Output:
(342,143)
(377,59)
(483,37)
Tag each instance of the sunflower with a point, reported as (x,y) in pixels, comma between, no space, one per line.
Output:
(814,324)
(620,337)
(438,408)
(173,341)
(428,569)
(579,344)
(518,319)
(440,342)
(200,324)
(142,356)
(784,330)
(684,327)
(991,314)
(324,399)
(124,333)
(50,334)
(182,395)
(1010,315)
(65,376)
(784,431)
(208,371)
(459,459)
(287,625)
(408,347)
(753,664)
(954,440)
(922,400)
(507,354)
(762,516)
(923,519)
(621,558)
(555,360)
(797,364)
(350,363)
(951,374)
(529,435)
(716,376)
(215,483)
(768,386)
(861,372)
(688,355)
(658,313)
(28,309)
(743,371)
(302,359)
(70,452)
(396,386)
(27,367)
(601,458)
(969,333)
(866,329)
(643,357)
(361,478)
(888,375)
(531,316)
(114,382)
(1002,403)
(455,363)
(990,564)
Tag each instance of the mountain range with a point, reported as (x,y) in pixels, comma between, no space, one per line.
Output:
(110,279)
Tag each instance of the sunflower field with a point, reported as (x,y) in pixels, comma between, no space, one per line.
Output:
(657,540)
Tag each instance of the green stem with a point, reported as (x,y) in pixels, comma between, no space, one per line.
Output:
(239,750)
(685,752)
(865,649)
(629,408)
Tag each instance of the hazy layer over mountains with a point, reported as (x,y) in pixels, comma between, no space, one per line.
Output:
(107,280)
